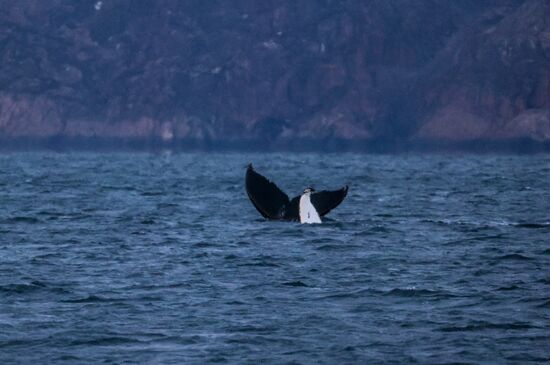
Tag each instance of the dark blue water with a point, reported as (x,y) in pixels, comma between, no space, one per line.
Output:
(142,258)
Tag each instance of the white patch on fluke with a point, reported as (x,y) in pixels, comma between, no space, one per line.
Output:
(308,214)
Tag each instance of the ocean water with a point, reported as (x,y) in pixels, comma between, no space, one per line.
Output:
(161,259)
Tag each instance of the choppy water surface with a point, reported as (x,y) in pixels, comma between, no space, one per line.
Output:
(143,258)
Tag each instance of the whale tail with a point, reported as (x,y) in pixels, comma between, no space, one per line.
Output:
(272,203)
(266,197)
(325,201)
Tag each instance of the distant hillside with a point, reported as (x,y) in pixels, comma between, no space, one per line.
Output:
(275,74)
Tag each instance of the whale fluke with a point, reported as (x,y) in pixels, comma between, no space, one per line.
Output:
(325,201)
(268,199)
(272,203)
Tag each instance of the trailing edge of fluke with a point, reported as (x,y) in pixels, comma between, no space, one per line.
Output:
(273,203)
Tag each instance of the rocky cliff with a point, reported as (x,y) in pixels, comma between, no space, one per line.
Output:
(275,73)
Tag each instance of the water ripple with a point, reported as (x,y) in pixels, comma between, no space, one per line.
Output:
(142,258)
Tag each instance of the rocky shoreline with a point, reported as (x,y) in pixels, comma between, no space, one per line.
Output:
(337,75)
(331,145)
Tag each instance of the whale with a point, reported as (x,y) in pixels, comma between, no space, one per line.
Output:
(273,204)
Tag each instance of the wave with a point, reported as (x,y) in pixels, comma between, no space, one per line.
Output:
(508,288)
(93,299)
(296,283)
(336,247)
(514,256)
(488,224)
(413,292)
(22,288)
(480,326)
(533,225)
(32,287)
(352,294)
(105,341)
(545,304)
(22,219)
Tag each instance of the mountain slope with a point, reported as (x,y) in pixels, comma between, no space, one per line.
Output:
(275,73)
